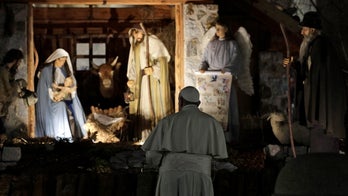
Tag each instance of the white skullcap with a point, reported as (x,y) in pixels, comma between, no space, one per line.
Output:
(190,94)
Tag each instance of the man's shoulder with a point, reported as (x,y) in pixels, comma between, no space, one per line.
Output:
(154,38)
(322,43)
(320,39)
(203,115)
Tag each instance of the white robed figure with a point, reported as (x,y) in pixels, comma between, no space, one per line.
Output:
(58,116)
(148,79)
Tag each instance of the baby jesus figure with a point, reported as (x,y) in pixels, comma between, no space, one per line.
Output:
(63,92)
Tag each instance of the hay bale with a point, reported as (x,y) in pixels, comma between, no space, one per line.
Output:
(106,126)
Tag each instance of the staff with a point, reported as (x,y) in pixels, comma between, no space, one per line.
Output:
(148,66)
(289,94)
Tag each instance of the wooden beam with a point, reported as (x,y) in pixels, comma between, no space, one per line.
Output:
(121,2)
(95,14)
(179,52)
(271,11)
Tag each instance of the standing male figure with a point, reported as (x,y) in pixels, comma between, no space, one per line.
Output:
(183,145)
(320,86)
(148,79)
(10,88)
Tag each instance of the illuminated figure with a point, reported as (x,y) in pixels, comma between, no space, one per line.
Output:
(148,79)
(58,115)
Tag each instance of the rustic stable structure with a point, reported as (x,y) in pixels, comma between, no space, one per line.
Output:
(104,20)
(50,24)
(46,17)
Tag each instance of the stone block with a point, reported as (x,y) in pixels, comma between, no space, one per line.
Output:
(11,154)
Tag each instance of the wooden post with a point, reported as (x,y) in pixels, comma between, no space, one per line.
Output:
(179,51)
(31,69)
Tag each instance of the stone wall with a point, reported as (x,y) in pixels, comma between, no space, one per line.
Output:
(198,31)
(198,21)
(273,82)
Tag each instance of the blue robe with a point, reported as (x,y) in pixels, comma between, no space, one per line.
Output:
(52,119)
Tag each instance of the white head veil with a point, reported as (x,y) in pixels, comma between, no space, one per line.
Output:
(58,53)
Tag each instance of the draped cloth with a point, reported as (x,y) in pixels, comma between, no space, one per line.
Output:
(52,118)
(185,174)
(188,139)
(152,95)
(324,90)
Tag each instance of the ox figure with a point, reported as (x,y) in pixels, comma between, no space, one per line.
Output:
(106,78)
(102,86)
